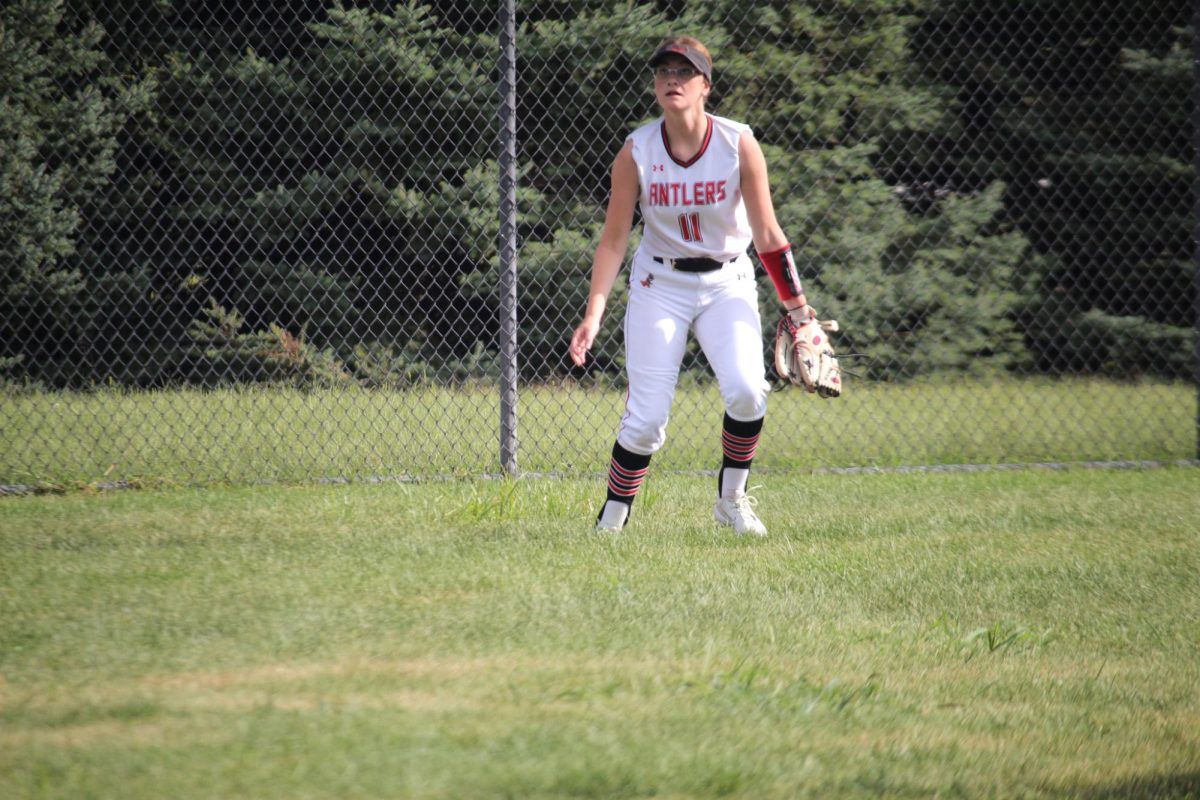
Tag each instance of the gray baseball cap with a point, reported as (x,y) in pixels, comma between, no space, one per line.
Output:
(693,56)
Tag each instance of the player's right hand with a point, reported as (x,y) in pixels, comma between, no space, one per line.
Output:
(582,341)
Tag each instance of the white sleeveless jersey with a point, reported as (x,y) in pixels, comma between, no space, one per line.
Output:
(692,208)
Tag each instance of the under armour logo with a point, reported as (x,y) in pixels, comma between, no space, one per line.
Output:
(658,168)
(649,279)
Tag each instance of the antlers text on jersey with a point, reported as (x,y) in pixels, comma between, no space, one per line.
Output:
(695,193)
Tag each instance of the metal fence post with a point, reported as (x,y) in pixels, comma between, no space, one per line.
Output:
(508,237)
(1196,211)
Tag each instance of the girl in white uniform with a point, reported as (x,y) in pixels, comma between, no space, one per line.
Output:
(702,187)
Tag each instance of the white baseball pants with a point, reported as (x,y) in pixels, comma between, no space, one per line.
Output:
(722,308)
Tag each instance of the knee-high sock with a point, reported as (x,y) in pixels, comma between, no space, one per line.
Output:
(739,442)
(626,472)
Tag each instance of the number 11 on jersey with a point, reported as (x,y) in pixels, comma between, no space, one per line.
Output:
(689,227)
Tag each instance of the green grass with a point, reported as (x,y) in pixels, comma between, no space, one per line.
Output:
(185,437)
(1032,633)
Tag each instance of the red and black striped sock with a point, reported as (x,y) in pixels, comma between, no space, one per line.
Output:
(739,442)
(625,474)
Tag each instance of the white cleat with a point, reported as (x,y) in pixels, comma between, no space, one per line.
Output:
(604,526)
(739,512)
(612,517)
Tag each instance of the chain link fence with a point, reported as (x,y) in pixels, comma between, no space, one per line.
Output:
(296,240)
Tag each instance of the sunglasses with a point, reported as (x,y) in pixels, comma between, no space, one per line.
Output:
(682,73)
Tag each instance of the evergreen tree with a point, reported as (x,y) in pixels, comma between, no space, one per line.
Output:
(923,279)
(925,285)
(1082,110)
(316,171)
(62,108)
(328,173)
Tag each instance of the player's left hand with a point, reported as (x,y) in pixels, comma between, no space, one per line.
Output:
(804,354)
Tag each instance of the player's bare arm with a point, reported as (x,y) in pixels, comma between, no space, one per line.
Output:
(803,354)
(756,193)
(610,252)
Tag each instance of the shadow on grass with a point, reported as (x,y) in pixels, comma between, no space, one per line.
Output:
(1151,787)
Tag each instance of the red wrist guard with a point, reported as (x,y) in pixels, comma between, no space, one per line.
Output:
(782,269)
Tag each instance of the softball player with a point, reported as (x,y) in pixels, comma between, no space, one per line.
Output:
(701,184)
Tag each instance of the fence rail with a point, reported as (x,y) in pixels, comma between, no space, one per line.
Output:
(318,239)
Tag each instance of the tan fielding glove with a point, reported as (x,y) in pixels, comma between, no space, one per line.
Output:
(804,355)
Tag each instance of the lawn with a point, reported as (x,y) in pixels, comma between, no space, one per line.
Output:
(1031,633)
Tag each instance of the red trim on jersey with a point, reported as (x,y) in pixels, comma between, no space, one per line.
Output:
(704,146)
